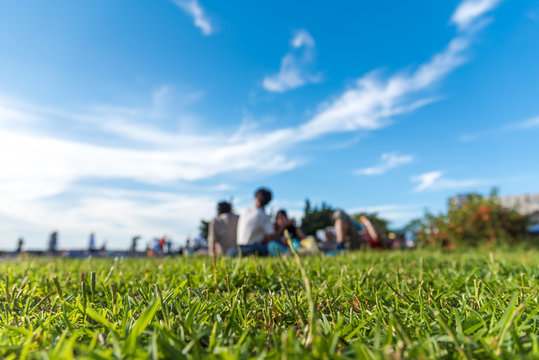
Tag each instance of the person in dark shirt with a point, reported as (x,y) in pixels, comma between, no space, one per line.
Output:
(53,242)
(282,224)
(20,243)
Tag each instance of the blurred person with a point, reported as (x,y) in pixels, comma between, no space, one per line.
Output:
(282,224)
(255,229)
(346,231)
(375,238)
(222,230)
(148,250)
(20,243)
(155,246)
(162,242)
(91,242)
(409,237)
(328,241)
(188,249)
(134,241)
(53,242)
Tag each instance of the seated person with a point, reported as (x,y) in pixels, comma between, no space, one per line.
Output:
(347,235)
(255,229)
(280,245)
(222,230)
(372,235)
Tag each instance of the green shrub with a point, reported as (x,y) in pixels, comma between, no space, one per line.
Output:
(472,220)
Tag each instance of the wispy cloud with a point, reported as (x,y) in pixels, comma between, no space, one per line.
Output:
(435,180)
(41,164)
(372,103)
(389,161)
(469,11)
(41,168)
(296,66)
(193,8)
(527,124)
(374,100)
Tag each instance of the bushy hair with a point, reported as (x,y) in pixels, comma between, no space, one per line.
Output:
(282,212)
(223,207)
(263,195)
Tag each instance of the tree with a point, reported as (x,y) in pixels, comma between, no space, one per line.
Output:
(204,228)
(413,225)
(316,218)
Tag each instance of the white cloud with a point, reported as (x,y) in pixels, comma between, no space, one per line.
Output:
(515,126)
(390,161)
(526,124)
(434,181)
(39,169)
(40,166)
(193,8)
(115,215)
(302,38)
(296,66)
(470,10)
(373,101)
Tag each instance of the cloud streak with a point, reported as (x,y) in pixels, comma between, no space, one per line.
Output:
(469,11)
(524,125)
(41,167)
(193,9)
(373,101)
(296,66)
(528,124)
(435,181)
(390,161)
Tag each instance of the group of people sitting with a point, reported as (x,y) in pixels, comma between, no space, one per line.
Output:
(253,232)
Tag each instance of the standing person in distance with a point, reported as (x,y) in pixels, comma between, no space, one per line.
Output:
(53,242)
(91,243)
(20,243)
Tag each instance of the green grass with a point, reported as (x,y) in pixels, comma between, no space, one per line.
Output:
(366,305)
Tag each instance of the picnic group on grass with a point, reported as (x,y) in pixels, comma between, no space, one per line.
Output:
(253,232)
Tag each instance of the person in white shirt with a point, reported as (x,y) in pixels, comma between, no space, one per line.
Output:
(255,228)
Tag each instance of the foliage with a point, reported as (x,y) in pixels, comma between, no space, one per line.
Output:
(366,305)
(412,225)
(316,218)
(204,228)
(472,220)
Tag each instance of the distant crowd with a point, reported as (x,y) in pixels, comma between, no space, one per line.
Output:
(254,232)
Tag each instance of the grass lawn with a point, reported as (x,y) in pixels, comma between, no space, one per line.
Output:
(414,304)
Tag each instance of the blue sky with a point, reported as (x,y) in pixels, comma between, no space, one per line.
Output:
(128,118)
